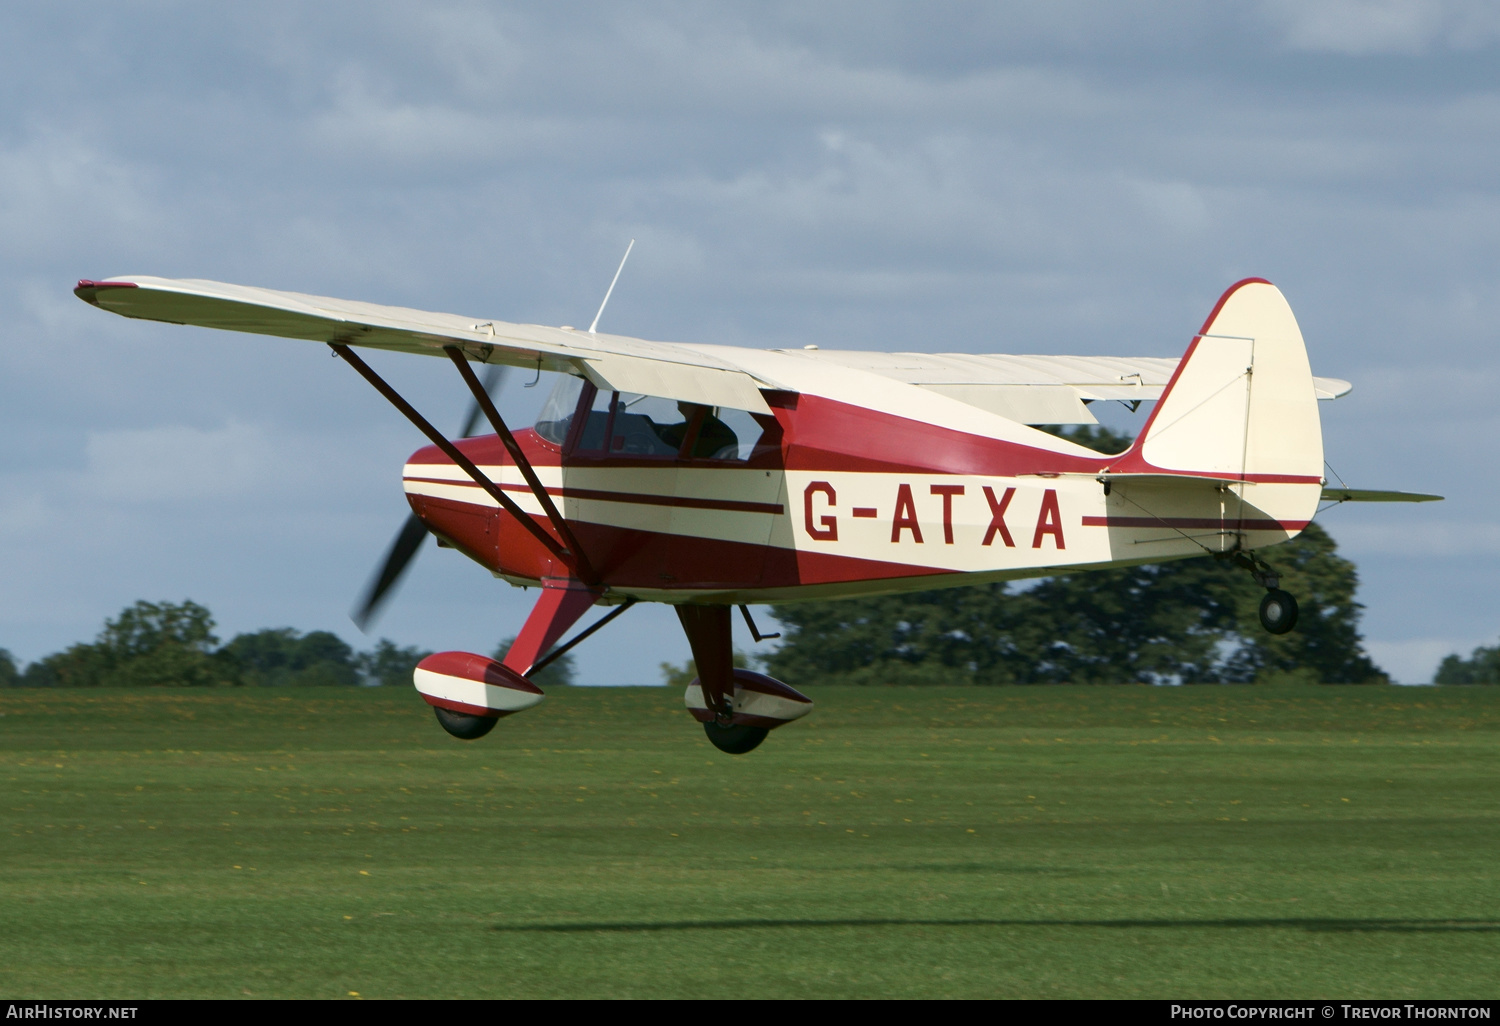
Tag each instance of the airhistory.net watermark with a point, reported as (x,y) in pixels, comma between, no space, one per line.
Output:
(58,1010)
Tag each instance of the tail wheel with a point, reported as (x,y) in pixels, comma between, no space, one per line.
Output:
(735,739)
(464,725)
(1278,611)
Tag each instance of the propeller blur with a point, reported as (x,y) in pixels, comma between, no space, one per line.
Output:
(413,532)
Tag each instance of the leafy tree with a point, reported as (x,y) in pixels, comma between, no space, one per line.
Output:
(1482,667)
(389,663)
(80,665)
(164,643)
(161,643)
(147,627)
(561,671)
(149,643)
(1192,620)
(1154,623)
(281,656)
(1092,436)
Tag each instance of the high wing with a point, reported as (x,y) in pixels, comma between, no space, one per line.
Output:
(610,361)
(1030,389)
(1022,389)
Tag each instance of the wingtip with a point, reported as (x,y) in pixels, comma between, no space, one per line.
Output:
(88,290)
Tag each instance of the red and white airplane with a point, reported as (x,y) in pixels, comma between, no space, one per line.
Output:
(713,476)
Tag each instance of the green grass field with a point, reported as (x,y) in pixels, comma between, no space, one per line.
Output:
(1006,842)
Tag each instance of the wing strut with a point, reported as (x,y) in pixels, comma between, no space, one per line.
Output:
(583,570)
(562,650)
(451,451)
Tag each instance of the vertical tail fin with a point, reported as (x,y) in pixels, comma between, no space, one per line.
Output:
(1241,403)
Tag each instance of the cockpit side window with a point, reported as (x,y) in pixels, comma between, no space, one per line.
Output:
(644,425)
(630,425)
(726,434)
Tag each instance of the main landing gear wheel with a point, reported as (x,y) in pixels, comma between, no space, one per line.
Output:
(463,725)
(1278,611)
(735,739)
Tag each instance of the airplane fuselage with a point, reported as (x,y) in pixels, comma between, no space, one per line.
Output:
(837,499)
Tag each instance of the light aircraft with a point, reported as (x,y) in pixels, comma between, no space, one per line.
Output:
(710,477)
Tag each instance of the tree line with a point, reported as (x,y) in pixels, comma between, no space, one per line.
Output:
(173,644)
(1481,667)
(1191,621)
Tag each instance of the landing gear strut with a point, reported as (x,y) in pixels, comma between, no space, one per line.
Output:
(737,707)
(708,633)
(1278,610)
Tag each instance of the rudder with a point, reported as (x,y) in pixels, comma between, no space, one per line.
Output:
(1241,403)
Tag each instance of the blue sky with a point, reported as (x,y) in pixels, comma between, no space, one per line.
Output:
(1058,178)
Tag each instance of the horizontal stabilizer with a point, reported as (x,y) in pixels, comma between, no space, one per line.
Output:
(1367,495)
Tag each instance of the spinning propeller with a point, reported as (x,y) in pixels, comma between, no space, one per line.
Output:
(414,532)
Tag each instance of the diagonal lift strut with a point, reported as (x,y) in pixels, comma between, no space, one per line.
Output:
(583,570)
(562,650)
(551,544)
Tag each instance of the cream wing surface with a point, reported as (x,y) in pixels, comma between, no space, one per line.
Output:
(1026,389)
(610,361)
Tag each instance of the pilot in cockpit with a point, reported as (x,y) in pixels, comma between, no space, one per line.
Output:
(715,439)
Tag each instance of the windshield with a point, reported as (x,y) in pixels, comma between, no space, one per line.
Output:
(557,414)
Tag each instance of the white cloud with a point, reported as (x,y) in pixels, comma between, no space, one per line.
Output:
(365,124)
(1359,27)
(58,185)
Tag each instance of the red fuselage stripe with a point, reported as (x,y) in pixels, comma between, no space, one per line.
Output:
(680,501)
(675,500)
(1217,524)
(1189,475)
